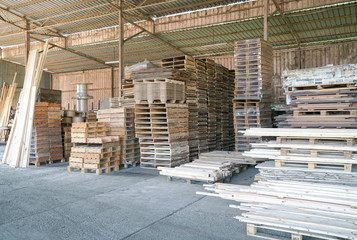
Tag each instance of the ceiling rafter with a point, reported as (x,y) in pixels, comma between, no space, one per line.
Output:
(288,24)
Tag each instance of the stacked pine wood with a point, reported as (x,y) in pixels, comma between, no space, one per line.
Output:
(66,139)
(327,149)
(162,130)
(55,132)
(120,122)
(210,167)
(321,97)
(93,151)
(40,146)
(7,95)
(252,95)
(211,104)
(299,209)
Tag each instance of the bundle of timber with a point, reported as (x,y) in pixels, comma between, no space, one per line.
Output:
(320,76)
(7,95)
(268,171)
(321,97)
(40,146)
(162,130)
(327,149)
(17,150)
(91,116)
(66,141)
(298,209)
(55,132)
(211,104)
(88,132)
(252,95)
(210,167)
(120,122)
(99,155)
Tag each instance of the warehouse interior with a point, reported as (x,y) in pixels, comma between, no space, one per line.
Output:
(177,119)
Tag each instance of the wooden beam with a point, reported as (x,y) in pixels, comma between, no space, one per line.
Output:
(27,42)
(74,52)
(287,22)
(266,12)
(132,36)
(121,46)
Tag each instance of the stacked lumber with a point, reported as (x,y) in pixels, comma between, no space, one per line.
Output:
(55,132)
(252,95)
(120,122)
(7,95)
(210,167)
(327,149)
(162,130)
(40,146)
(88,132)
(299,209)
(100,155)
(91,116)
(268,171)
(17,149)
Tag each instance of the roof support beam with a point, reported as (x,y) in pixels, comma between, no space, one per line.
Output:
(132,36)
(121,46)
(266,12)
(288,24)
(74,52)
(27,42)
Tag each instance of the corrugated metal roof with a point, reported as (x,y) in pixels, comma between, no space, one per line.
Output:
(326,24)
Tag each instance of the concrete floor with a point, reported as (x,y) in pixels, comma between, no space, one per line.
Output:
(50,203)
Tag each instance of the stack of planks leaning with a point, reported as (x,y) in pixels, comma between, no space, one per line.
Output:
(7,95)
(17,150)
(317,155)
(321,97)
(210,167)
(252,95)
(293,210)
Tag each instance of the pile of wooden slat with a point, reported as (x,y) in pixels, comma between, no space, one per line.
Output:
(210,167)
(211,104)
(328,149)
(66,140)
(120,122)
(321,97)
(92,150)
(162,130)
(7,95)
(252,95)
(299,209)
(40,145)
(18,146)
(55,132)
(268,171)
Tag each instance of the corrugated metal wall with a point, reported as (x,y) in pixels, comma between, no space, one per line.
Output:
(7,72)
(315,56)
(100,89)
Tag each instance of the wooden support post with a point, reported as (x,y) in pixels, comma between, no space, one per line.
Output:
(27,41)
(121,45)
(266,12)
(112,83)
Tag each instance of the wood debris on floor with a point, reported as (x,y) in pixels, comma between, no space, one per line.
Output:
(298,209)
(252,96)
(17,150)
(210,167)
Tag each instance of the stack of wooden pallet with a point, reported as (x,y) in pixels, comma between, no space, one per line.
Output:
(40,146)
(187,63)
(328,149)
(66,140)
(321,211)
(211,104)
(210,167)
(120,122)
(252,96)
(55,132)
(93,150)
(162,129)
